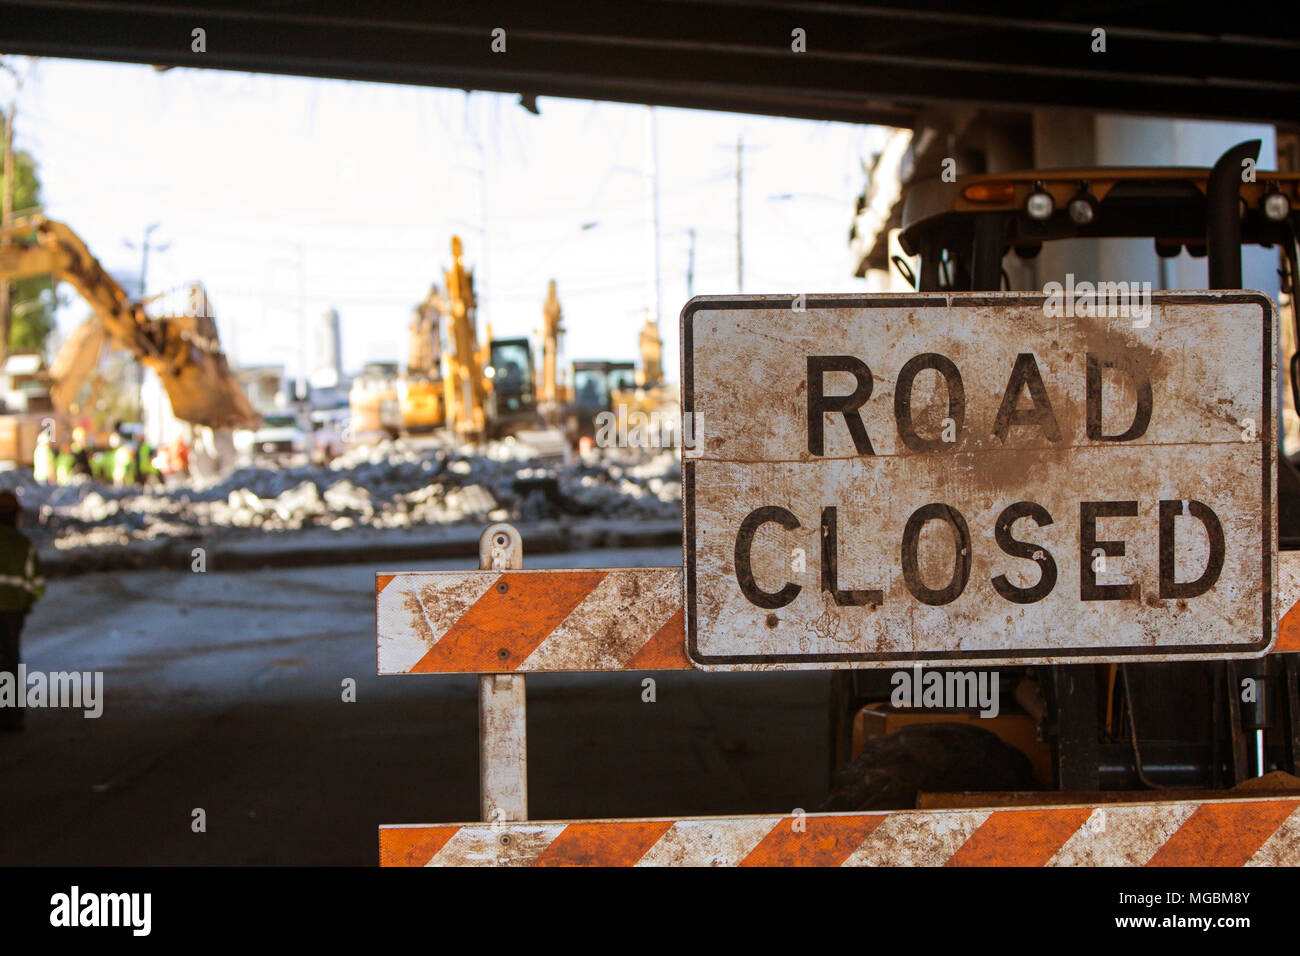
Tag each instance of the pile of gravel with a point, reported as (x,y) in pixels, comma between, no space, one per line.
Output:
(395,484)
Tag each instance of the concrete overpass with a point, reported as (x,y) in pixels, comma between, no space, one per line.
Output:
(863,62)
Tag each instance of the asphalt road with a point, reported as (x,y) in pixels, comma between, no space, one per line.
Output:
(222,692)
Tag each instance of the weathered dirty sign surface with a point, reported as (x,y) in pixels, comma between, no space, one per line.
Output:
(988,478)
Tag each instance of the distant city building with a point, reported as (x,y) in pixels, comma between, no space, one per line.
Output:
(327,352)
(268,387)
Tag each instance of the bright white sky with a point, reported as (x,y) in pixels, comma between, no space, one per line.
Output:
(286,196)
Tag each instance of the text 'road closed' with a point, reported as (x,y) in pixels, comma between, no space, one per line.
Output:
(902,479)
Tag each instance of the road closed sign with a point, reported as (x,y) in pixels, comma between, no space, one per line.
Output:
(989,478)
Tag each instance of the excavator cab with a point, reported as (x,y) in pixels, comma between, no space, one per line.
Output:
(512,401)
(622,377)
(595,382)
(594,385)
(1108,727)
(591,387)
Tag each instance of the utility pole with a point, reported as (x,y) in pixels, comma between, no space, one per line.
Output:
(473,129)
(300,389)
(690,265)
(481,266)
(740,183)
(652,149)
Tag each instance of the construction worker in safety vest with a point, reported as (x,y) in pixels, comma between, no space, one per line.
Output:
(43,459)
(63,463)
(101,464)
(22,584)
(122,457)
(80,452)
(146,471)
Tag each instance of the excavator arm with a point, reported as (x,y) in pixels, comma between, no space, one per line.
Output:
(183,350)
(553,317)
(466,387)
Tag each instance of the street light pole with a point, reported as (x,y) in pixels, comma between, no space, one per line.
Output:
(144,257)
(138,384)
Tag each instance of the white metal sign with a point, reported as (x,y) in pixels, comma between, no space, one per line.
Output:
(985,477)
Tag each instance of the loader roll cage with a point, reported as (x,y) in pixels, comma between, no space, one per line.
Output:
(962,231)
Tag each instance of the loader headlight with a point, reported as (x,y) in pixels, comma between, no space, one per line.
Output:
(1082,208)
(1276,206)
(1040,205)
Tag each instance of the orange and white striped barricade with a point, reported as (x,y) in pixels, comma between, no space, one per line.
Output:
(502,622)
(1234,832)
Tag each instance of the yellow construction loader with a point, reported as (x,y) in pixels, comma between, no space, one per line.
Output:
(648,392)
(609,391)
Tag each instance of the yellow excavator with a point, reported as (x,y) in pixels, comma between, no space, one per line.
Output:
(474,392)
(551,393)
(495,390)
(183,350)
(439,389)
(469,371)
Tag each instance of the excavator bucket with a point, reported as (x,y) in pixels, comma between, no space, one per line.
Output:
(203,391)
(186,354)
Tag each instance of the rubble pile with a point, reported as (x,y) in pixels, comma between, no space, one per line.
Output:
(390,485)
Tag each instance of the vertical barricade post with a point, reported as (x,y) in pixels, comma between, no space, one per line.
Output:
(502,705)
